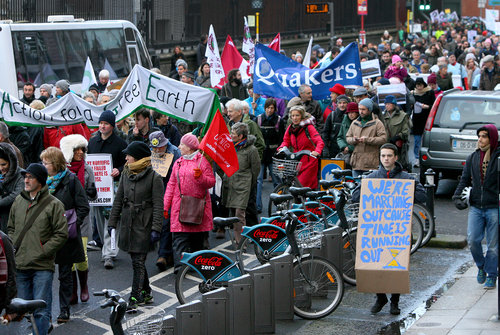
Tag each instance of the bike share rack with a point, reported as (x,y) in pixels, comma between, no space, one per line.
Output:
(252,303)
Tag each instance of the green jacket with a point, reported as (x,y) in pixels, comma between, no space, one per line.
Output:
(253,129)
(397,126)
(46,236)
(344,127)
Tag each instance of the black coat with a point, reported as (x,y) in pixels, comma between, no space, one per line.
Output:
(8,291)
(11,186)
(331,130)
(272,129)
(485,194)
(72,251)
(113,145)
(420,119)
(36,147)
(21,139)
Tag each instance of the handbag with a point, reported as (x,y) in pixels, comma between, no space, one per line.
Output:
(192,209)
(71,218)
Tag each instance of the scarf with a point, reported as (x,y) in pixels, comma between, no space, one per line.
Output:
(78,168)
(53,181)
(138,166)
(2,178)
(485,159)
(240,144)
(190,157)
(365,120)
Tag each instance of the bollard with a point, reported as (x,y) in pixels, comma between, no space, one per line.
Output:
(216,312)
(169,326)
(283,286)
(263,288)
(241,306)
(429,187)
(189,318)
(331,247)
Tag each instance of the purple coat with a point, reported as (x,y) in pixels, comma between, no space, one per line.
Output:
(192,187)
(400,73)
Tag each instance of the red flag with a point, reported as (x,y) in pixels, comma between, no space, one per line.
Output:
(232,59)
(218,145)
(276,43)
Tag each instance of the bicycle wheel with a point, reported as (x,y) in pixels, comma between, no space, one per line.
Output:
(318,287)
(417,232)
(251,255)
(427,220)
(280,189)
(349,255)
(189,285)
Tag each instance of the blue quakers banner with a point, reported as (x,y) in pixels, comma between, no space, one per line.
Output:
(278,76)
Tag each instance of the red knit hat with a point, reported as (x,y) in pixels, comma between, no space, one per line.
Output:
(432,79)
(352,107)
(338,88)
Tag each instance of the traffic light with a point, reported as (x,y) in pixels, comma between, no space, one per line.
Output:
(425,5)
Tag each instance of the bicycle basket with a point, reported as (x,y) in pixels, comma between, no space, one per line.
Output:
(352,211)
(309,237)
(148,323)
(286,167)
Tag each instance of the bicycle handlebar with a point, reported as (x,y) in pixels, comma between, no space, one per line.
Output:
(285,152)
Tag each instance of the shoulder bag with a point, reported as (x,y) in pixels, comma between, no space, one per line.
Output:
(192,209)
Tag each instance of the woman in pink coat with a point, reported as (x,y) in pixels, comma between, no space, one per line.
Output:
(196,178)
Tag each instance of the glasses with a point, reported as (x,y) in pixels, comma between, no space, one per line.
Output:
(46,163)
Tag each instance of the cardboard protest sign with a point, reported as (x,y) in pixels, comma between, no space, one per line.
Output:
(384,236)
(396,90)
(370,68)
(161,164)
(102,165)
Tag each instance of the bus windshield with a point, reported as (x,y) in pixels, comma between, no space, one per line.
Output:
(48,56)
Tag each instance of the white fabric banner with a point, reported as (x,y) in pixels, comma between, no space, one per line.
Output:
(213,58)
(248,46)
(142,88)
(88,76)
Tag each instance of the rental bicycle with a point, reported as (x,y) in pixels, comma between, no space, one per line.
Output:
(18,308)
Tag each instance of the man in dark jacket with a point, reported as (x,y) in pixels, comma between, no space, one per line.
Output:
(28,93)
(390,168)
(234,88)
(481,172)
(142,128)
(490,77)
(332,128)
(106,141)
(35,255)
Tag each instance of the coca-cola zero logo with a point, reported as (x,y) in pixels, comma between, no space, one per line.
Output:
(315,210)
(209,261)
(272,234)
(329,203)
(281,224)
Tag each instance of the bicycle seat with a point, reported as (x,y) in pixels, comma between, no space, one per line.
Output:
(225,222)
(280,198)
(315,194)
(21,306)
(341,173)
(299,191)
(326,184)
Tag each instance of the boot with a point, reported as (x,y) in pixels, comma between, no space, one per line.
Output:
(74,296)
(84,292)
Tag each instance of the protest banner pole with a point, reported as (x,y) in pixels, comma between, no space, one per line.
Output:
(257,26)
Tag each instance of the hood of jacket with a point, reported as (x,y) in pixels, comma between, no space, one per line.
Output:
(69,143)
(8,151)
(308,119)
(492,134)
(382,172)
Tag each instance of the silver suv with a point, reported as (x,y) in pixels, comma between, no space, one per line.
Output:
(450,131)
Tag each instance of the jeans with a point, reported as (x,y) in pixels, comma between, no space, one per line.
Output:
(33,284)
(165,248)
(417,145)
(483,221)
(260,179)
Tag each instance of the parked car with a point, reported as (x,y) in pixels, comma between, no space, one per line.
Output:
(450,132)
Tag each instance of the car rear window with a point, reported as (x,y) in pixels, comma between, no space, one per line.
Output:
(453,113)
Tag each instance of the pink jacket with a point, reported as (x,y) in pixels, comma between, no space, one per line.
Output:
(192,187)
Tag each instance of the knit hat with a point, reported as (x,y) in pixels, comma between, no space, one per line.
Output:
(190,141)
(109,117)
(395,59)
(390,99)
(420,81)
(368,103)
(432,79)
(470,56)
(381,47)
(157,139)
(94,87)
(297,54)
(338,88)
(38,171)
(394,46)
(47,87)
(343,97)
(384,81)
(138,150)
(488,58)
(63,84)
(71,142)
(360,91)
(182,62)
(352,107)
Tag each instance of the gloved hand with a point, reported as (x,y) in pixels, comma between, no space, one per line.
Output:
(197,173)
(110,229)
(460,204)
(166,214)
(155,236)
(394,139)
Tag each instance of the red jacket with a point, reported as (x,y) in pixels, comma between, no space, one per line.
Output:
(52,135)
(308,174)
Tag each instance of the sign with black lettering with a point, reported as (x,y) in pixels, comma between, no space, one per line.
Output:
(102,165)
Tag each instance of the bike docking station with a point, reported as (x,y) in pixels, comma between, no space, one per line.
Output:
(331,247)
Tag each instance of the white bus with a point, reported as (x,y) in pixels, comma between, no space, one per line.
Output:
(47,52)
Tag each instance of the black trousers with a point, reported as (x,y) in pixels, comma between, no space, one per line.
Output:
(186,242)
(65,286)
(140,279)
(394,297)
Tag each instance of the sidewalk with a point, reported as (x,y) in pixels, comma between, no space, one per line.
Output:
(466,308)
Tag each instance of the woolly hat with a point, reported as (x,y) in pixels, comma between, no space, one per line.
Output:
(94,87)
(298,54)
(420,81)
(352,107)
(182,62)
(71,142)
(138,150)
(394,46)
(360,91)
(47,87)
(343,97)
(390,99)
(381,47)
(368,103)
(38,171)
(63,84)
(190,141)
(109,117)
(338,88)
(432,79)
(470,56)
(488,58)
(384,81)
(157,139)
(395,59)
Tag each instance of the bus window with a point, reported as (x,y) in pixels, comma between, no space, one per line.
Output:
(111,45)
(143,53)
(133,55)
(129,35)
